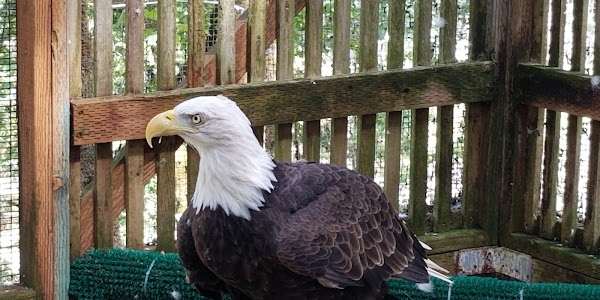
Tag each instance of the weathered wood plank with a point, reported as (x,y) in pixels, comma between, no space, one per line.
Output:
(16,292)
(75,84)
(59,130)
(546,272)
(571,195)
(226,43)
(313,60)
(478,39)
(417,207)
(285,70)
(533,164)
(341,65)
(422,33)
(555,253)
(557,33)
(443,169)
(165,157)
(591,223)
(103,236)
(477,119)
(369,24)
(456,240)
(539,47)
(580,18)
(134,161)
(448,11)
(256,48)
(125,117)
(550,175)
(393,121)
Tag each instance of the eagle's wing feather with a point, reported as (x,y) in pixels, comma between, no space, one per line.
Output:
(342,229)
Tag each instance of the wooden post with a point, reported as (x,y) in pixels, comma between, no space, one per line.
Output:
(341,65)
(369,24)
(445,127)
(313,60)
(134,162)
(285,70)
(75,84)
(165,163)
(103,204)
(393,120)
(43,93)
(256,50)
(195,78)
(419,134)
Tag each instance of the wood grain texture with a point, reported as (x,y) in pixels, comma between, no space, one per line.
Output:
(591,223)
(75,84)
(417,207)
(539,47)
(456,240)
(285,70)
(103,235)
(448,11)
(477,120)
(124,117)
(571,194)
(341,65)
(365,125)
(165,157)
(226,43)
(533,167)
(195,78)
(580,18)
(478,38)
(443,169)
(134,161)
(554,253)
(550,175)
(393,144)
(557,33)
(257,36)
(60,131)
(422,34)
(313,60)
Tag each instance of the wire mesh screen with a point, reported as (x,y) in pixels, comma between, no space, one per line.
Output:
(9,167)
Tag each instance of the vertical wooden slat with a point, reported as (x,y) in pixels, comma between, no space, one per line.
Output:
(165,163)
(477,117)
(256,50)
(569,218)
(476,123)
(369,24)
(75,84)
(557,33)
(393,125)
(445,126)
(443,169)
(341,65)
(195,78)
(60,135)
(539,48)
(591,224)
(285,70)
(134,161)
(419,123)
(571,195)
(226,42)
(550,175)
(313,60)
(103,237)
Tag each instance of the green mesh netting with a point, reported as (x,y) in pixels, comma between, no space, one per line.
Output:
(129,274)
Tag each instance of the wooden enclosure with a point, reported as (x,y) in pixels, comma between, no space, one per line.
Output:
(513,87)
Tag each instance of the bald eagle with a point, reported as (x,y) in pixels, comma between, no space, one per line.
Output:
(259,228)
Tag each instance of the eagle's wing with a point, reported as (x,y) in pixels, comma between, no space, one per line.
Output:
(342,230)
(207,283)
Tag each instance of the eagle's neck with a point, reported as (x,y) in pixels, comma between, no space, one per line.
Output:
(233,178)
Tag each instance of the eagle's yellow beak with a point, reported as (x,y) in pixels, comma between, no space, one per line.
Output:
(161,125)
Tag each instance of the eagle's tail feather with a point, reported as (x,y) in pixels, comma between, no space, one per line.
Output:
(438,275)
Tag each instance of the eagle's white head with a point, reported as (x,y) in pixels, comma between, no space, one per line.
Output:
(234,168)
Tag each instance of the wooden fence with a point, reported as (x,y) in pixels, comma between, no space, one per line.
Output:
(506,105)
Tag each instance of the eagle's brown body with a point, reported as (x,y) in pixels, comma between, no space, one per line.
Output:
(325,232)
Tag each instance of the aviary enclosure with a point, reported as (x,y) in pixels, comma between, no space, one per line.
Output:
(492,157)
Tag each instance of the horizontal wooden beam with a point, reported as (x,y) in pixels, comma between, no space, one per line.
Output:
(105,119)
(456,240)
(555,253)
(558,90)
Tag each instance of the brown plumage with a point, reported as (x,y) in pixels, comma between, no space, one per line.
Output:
(325,232)
(257,228)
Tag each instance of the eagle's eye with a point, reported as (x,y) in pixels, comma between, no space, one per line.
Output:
(197,119)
